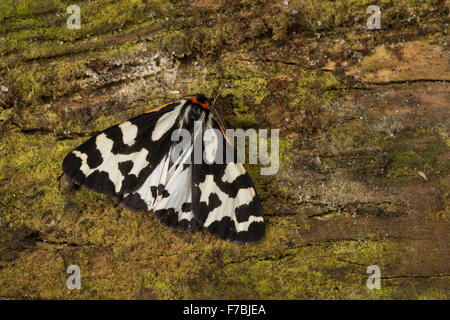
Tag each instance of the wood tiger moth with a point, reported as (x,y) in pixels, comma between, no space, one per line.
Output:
(135,164)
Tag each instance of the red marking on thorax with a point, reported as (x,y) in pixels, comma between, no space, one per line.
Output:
(203,105)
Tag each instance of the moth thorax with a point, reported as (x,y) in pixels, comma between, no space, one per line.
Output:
(195,113)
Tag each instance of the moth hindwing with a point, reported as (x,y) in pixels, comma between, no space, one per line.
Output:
(137,164)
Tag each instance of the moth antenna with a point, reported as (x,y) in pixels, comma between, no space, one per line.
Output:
(217,96)
(168,89)
(215,110)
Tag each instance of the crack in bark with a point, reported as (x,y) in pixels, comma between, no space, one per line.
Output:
(420,80)
(66,243)
(267,258)
(398,276)
(384,83)
(334,207)
(351,262)
(58,134)
(414,276)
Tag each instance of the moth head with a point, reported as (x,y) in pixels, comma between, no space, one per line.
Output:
(197,110)
(201,100)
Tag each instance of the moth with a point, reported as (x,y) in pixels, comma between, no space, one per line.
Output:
(140,165)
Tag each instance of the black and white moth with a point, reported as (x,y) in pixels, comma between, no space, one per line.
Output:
(133,162)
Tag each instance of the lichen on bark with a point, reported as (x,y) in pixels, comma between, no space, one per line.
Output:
(364,146)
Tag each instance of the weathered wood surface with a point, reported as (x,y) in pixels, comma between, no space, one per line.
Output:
(364,119)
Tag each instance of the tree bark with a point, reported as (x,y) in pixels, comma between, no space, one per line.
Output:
(364,146)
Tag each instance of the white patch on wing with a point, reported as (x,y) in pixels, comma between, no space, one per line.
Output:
(211,144)
(176,181)
(232,171)
(129,132)
(111,161)
(165,122)
(84,166)
(179,188)
(228,204)
(153,180)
